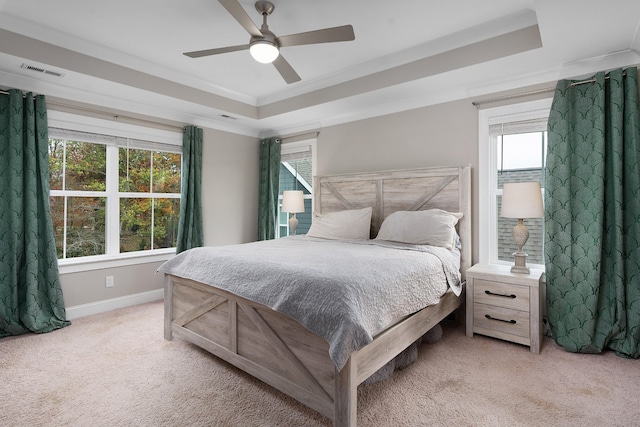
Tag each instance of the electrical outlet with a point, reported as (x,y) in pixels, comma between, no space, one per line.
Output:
(108,281)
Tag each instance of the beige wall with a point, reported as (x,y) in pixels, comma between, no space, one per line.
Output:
(440,135)
(229,188)
(229,207)
(88,287)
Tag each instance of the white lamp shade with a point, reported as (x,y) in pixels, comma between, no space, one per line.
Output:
(264,52)
(522,200)
(292,201)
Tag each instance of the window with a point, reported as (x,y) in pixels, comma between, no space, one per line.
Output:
(297,168)
(112,195)
(149,192)
(513,144)
(78,195)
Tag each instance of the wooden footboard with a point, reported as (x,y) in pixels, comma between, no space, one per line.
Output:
(280,351)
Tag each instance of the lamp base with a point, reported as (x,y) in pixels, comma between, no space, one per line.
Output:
(520,265)
(520,234)
(293,224)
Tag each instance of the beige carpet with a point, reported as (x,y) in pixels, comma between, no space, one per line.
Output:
(115,369)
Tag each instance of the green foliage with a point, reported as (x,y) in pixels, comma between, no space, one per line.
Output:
(82,166)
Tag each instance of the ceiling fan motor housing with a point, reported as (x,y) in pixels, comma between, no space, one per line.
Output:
(265,7)
(264,46)
(267,36)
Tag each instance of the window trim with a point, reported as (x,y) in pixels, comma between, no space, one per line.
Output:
(64,120)
(488,171)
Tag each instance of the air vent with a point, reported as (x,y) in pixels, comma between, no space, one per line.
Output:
(226,116)
(41,70)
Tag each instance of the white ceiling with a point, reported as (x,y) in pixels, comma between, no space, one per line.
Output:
(127,55)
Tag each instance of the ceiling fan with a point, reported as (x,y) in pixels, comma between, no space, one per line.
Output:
(265,45)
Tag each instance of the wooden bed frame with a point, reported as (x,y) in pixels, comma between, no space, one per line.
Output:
(280,351)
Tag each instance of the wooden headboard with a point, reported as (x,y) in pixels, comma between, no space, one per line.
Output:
(447,188)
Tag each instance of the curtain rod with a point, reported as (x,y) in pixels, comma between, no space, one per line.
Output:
(114,115)
(104,113)
(288,138)
(534,92)
(624,74)
(515,95)
(300,136)
(4,92)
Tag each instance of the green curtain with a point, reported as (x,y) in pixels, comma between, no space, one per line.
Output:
(30,291)
(592,214)
(190,229)
(268,188)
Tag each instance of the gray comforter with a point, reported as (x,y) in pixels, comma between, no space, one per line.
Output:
(344,291)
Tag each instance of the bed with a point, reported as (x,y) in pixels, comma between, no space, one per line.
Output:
(294,356)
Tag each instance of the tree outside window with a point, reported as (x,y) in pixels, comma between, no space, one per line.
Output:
(149,222)
(78,200)
(91,172)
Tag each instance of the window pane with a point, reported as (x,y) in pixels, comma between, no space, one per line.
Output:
(283,226)
(296,174)
(135,224)
(166,172)
(134,170)
(57,216)
(86,166)
(78,172)
(165,223)
(56,161)
(520,157)
(85,226)
(507,245)
(304,219)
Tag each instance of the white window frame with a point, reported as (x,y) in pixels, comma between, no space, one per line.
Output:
(292,148)
(63,120)
(488,171)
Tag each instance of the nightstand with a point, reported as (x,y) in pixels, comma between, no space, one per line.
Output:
(505,305)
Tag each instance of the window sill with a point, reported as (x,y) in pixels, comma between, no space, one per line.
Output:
(67,266)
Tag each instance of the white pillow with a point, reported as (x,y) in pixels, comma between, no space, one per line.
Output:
(433,227)
(349,224)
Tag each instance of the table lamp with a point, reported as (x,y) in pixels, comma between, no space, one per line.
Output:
(521,200)
(292,202)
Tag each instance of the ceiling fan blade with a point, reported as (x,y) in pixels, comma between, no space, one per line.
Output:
(207,52)
(238,12)
(328,35)
(286,70)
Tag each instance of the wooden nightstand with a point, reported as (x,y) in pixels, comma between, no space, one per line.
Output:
(505,305)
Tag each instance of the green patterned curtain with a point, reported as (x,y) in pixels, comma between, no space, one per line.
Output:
(268,188)
(592,214)
(190,231)
(30,291)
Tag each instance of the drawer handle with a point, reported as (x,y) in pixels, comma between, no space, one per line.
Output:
(513,322)
(499,295)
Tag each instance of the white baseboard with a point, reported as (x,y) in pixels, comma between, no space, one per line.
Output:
(114,303)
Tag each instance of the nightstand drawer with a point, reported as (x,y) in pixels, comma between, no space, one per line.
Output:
(504,320)
(501,295)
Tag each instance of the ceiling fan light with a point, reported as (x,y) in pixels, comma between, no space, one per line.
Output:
(264,51)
